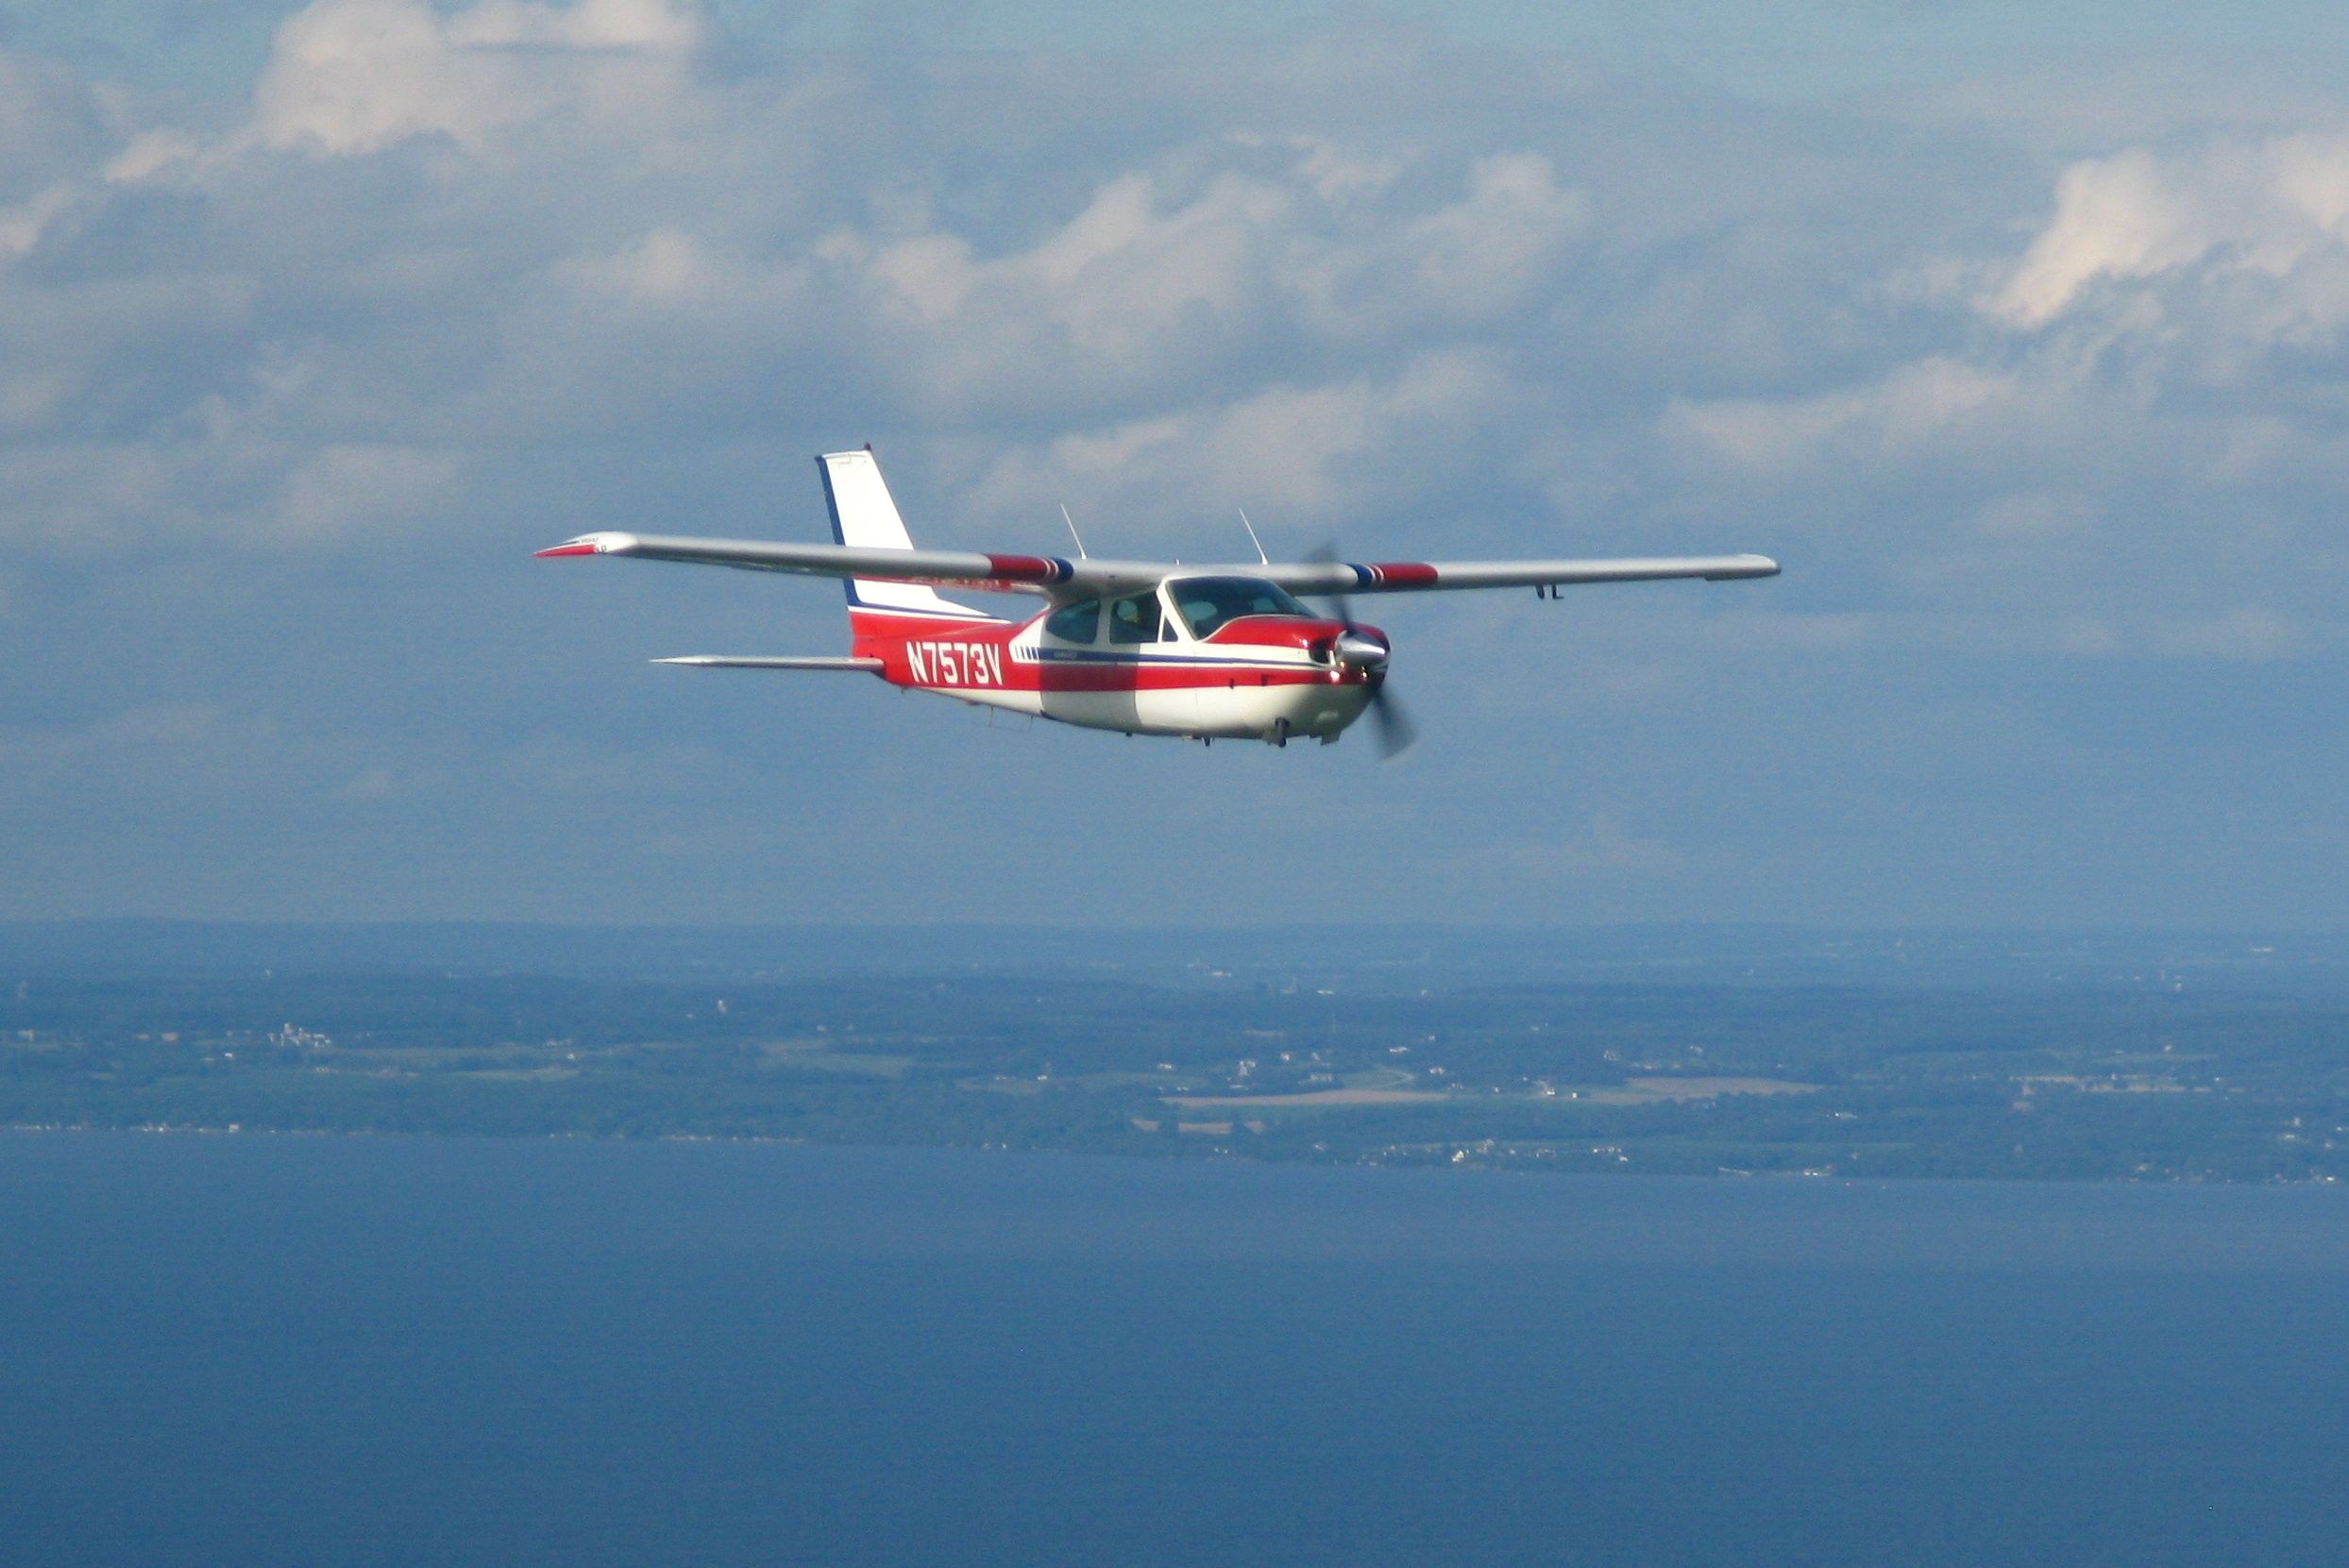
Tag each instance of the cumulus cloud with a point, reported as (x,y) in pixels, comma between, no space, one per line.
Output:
(1914,408)
(438,235)
(1163,277)
(1135,286)
(1307,456)
(447,281)
(2268,212)
(438,229)
(354,77)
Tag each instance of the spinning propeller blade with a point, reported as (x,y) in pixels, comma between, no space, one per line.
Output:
(1395,731)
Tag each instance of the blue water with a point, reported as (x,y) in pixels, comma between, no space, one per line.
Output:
(332,1351)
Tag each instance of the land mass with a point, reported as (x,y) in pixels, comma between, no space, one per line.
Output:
(2158,1072)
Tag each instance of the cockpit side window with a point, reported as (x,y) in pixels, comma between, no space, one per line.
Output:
(1134,620)
(1075,623)
(1207,602)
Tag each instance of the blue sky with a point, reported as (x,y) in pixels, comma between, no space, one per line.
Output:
(2017,332)
(1794,49)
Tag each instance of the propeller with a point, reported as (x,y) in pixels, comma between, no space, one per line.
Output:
(1368,653)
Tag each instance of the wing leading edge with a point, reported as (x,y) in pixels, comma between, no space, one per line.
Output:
(879,562)
(1401,577)
(1063,578)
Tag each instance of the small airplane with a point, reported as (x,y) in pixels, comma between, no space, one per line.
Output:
(1148,648)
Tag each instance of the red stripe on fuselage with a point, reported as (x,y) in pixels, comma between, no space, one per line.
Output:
(1147,675)
(1275,632)
(975,655)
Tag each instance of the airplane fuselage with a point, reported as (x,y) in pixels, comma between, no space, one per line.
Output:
(1256,678)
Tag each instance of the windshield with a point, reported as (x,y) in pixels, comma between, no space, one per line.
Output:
(1207,602)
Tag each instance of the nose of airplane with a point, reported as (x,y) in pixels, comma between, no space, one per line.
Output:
(1362,649)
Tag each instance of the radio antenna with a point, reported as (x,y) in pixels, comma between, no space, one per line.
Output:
(1072,533)
(1253,539)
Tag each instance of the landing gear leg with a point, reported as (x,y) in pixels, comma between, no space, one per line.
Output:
(1281,733)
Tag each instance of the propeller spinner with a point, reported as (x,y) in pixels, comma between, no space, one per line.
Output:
(1367,651)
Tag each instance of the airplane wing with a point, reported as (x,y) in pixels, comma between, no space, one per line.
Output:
(1399,576)
(1064,579)
(878,562)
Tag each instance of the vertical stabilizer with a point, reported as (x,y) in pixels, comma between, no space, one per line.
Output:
(863,514)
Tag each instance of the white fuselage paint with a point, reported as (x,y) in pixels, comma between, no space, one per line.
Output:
(1230,703)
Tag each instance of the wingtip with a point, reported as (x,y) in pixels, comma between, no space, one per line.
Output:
(590,543)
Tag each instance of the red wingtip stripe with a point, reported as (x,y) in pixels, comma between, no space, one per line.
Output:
(563,549)
(1412,573)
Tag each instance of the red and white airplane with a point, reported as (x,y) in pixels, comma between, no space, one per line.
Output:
(1144,647)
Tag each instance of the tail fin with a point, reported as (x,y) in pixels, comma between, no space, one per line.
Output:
(862,514)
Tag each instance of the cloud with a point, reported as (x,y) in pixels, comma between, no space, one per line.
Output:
(354,76)
(53,125)
(438,232)
(346,487)
(1138,287)
(1295,455)
(1165,278)
(2273,212)
(290,384)
(1915,407)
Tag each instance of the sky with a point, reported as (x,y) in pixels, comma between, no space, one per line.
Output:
(2015,333)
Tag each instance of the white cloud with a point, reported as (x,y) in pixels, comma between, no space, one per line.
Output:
(1495,248)
(351,76)
(2262,211)
(1163,278)
(1132,280)
(1910,411)
(456,279)
(2114,217)
(532,227)
(343,488)
(1295,455)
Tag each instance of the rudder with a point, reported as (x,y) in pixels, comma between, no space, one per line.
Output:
(863,514)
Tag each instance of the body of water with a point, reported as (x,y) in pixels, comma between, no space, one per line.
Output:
(336,1351)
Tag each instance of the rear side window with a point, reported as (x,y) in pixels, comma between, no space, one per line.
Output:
(1075,623)
(1134,620)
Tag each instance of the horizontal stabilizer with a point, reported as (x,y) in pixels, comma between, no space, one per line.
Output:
(751,661)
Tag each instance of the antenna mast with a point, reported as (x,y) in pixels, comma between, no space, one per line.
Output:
(1260,556)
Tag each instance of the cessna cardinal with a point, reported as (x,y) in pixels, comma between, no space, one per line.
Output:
(1144,647)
